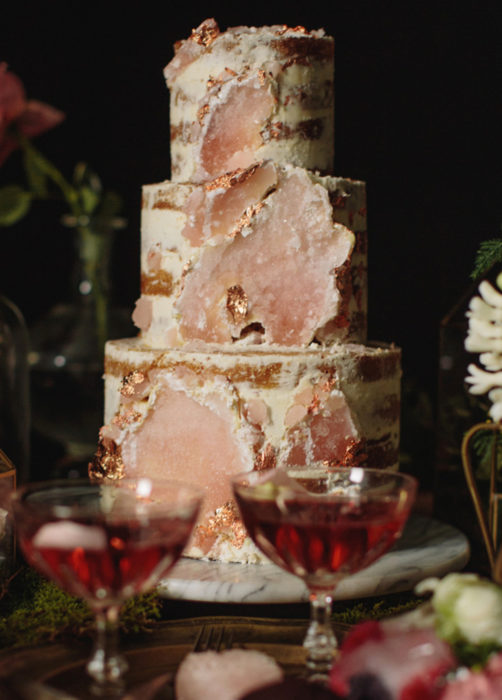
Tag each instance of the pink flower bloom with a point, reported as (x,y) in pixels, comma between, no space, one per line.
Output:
(29,116)
(478,685)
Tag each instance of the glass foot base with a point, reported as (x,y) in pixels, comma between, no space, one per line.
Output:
(320,642)
(319,667)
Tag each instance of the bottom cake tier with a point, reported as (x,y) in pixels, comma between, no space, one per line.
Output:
(204,415)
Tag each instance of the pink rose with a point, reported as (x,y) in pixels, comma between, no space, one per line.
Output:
(485,684)
(29,116)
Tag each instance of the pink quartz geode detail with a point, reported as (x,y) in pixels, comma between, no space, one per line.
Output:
(324,432)
(285,259)
(143,313)
(232,122)
(225,205)
(190,438)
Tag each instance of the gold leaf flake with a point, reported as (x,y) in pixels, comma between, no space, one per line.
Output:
(266,460)
(202,113)
(206,33)
(283,29)
(107,462)
(130,381)
(245,219)
(314,406)
(226,75)
(237,303)
(126,418)
(224,523)
(235,177)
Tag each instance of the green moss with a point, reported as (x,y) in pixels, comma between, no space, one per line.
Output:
(374,608)
(138,613)
(474,655)
(34,610)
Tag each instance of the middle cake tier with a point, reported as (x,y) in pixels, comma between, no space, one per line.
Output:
(203,416)
(272,254)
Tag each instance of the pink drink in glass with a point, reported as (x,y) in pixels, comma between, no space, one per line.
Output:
(323,524)
(105,542)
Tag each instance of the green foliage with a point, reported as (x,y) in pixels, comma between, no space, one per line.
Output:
(15,203)
(34,611)
(489,253)
(35,175)
(89,188)
(484,443)
(93,201)
(473,655)
(84,194)
(110,206)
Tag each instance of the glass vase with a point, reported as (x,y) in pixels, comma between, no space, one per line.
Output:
(14,387)
(66,358)
(8,484)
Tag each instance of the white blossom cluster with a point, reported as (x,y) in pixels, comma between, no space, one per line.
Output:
(485,337)
(466,608)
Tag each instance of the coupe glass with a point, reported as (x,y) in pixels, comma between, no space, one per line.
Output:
(323,524)
(105,543)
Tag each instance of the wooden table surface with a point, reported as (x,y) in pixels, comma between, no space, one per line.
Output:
(32,673)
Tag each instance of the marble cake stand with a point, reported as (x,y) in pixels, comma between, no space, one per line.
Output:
(427,548)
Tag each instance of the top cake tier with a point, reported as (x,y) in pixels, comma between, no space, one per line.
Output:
(250,94)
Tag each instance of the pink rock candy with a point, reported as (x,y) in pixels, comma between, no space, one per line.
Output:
(225,675)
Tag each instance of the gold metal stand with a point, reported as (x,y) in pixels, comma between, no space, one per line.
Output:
(487,517)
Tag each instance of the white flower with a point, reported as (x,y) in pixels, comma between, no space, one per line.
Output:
(478,611)
(468,609)
(485,337)
(448,588)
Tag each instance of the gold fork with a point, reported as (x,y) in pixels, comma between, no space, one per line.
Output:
(215,638)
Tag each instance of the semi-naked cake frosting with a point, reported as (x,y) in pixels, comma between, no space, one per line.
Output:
(270,254)
(252,315)
(250,94)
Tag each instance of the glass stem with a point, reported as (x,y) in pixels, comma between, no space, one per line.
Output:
(320,642)
(106,666)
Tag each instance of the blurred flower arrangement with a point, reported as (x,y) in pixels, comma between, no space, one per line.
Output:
(67,342)
(484,337)
(91,211)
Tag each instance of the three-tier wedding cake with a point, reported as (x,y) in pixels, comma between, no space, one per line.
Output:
(252,314)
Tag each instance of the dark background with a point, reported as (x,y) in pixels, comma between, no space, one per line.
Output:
(418,116)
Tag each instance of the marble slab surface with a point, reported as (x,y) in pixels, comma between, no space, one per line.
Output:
(427,548)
